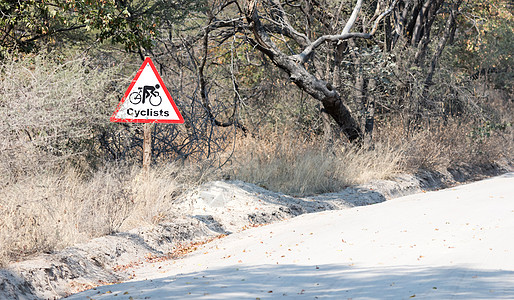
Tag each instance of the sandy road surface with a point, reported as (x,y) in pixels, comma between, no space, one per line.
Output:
(455,243)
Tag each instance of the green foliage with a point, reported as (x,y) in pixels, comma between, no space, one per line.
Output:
(133,24)
(484,131)
(485,41)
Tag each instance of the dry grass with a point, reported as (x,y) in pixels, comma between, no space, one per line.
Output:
(296,166)
(383,161)
(456,143)
(287,164)
(155,195)
(53,210)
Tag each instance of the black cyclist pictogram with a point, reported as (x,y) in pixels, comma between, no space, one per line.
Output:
(147,92)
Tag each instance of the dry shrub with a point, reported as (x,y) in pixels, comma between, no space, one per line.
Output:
(288,164)
(51,193)
(49,109)
(435,149)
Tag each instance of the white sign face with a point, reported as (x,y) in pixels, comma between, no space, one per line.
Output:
(147,100)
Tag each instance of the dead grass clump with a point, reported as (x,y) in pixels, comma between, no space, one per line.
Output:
(50,211)
(456,142)
(155,196)
(284,164)
(360,165)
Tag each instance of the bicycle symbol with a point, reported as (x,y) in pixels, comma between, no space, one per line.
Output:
(147,92)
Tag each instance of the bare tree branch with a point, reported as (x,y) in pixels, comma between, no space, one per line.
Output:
(307,52)
(353,17)
(205,94)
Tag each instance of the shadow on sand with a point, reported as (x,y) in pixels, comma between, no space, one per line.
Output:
(318,282)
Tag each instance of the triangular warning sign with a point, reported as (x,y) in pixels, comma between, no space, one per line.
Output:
(147,100)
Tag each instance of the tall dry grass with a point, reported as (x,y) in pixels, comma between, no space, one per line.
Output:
(457,142)
(290,165)
(53,210)
(296,166)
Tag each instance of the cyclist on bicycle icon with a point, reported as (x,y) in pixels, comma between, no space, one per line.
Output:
(150,93)
(149,90)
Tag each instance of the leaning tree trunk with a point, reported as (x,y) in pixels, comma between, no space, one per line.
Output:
(320,90)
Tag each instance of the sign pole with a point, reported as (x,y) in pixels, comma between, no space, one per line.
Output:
(147,149)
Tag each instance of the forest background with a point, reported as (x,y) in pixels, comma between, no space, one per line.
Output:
(297,96)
